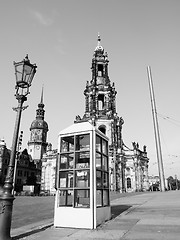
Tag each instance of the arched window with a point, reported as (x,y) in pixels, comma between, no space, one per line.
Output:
(100,70)
(101,101)
(102,128)
(128,183)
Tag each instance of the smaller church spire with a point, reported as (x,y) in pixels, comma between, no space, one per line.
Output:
(40,111)
(41,104)
(42,93)
(39,128)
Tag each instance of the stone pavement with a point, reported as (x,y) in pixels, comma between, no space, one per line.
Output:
(149,216)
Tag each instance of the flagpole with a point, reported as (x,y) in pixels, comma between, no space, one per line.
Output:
(156,131)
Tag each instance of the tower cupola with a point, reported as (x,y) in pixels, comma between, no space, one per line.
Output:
(39,121)
(99,92)
(39,128)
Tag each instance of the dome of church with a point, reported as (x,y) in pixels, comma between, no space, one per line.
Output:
(39,124)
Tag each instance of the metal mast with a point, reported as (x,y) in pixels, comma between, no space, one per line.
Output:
(156,131)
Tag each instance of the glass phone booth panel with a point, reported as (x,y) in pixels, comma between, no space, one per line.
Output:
(82,179)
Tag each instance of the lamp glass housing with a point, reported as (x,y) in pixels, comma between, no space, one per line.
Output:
(24,72)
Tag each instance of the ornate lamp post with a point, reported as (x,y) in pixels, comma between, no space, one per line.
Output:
(24,72)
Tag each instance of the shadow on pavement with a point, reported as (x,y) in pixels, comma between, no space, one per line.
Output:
(115,211)
(118,209)
(21,236)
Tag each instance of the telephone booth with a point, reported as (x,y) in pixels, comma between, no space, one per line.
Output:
(82,178)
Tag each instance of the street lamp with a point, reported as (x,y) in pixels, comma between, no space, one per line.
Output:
(24,72)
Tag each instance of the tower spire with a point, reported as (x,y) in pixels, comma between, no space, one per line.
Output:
(39,128)
(40,111)
(42,94)
(99,40)
(99,47)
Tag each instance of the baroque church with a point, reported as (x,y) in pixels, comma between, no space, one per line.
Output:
(128,166)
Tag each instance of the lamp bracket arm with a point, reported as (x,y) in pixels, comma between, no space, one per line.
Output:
(22,108)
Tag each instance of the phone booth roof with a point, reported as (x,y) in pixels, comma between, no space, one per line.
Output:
(81,127)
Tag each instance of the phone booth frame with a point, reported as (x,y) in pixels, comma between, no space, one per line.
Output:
(82,178)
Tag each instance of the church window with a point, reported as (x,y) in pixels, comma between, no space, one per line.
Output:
(102,129)
(100,70)
(128,183)
(101,101)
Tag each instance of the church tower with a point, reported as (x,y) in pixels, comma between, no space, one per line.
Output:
(100,97)
(100,110)
(39,128)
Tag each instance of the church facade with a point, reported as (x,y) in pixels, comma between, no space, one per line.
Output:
(100,109)
(48,170)
(128,166)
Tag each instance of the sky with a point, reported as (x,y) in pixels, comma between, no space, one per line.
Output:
(60,36)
